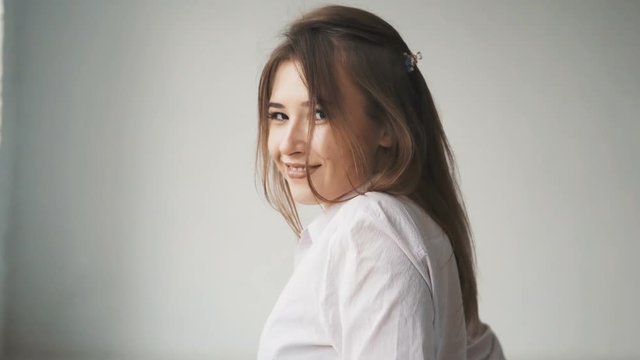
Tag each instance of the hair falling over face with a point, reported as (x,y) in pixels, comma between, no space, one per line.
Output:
(335,42)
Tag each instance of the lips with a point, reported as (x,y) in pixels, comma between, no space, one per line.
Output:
(289,164)
(299,172)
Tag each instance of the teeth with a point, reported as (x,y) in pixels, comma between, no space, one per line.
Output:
(299,169)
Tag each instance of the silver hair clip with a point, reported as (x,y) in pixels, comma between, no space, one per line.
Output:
(410,60)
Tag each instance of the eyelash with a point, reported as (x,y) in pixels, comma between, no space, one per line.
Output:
(273,115)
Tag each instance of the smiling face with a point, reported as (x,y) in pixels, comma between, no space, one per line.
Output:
(330,164)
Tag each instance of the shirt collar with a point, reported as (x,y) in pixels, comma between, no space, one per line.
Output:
(313,231)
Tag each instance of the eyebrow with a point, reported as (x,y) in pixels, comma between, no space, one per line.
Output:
(280,106)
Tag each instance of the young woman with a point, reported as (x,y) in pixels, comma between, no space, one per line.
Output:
(386,271)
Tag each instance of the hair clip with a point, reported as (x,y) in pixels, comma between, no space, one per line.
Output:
(410,60)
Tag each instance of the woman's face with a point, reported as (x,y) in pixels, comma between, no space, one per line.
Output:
(329,163)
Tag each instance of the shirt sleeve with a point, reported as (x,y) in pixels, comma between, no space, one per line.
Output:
(375,304)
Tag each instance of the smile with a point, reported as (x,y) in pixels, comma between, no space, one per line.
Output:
(300,172)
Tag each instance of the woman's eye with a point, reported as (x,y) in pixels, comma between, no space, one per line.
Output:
(277,116)
(321,115)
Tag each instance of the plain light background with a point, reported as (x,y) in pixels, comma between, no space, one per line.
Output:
(133,228)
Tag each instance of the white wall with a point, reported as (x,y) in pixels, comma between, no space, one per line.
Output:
(137,231)
(7,152)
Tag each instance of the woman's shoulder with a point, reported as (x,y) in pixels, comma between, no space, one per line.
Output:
(390,210)
(374,203)
(390,228)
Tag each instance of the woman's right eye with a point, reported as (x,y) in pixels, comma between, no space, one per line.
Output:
(277,116)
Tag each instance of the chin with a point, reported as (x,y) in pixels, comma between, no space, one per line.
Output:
(306,199)
(303,196)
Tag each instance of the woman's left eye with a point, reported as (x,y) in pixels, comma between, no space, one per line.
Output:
(321,115)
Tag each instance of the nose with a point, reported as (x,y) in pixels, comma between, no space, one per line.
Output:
(295,136)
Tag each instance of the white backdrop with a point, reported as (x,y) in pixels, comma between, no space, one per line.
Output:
(135,229)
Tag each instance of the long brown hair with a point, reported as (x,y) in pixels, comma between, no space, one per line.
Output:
(337,41)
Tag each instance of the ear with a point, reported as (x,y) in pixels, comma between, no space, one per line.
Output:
(385,139)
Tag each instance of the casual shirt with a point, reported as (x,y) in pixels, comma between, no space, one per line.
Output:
(374,279)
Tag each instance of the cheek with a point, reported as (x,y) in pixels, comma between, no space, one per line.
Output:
(272,143)
(324,145)
(336,158)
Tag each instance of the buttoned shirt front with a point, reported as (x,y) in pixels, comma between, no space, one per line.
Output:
(374,278)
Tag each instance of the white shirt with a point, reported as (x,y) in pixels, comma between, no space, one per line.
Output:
(374,278)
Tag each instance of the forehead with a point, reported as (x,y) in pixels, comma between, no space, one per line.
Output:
(289,86)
